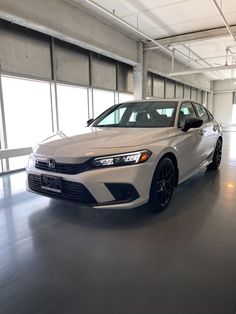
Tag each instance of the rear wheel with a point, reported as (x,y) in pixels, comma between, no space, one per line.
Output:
(162,186)
(216,160)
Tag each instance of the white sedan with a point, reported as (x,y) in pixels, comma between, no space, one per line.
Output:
(132,154)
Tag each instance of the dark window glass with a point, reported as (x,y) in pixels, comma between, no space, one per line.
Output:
(202,113)
(186,111)
(146,114)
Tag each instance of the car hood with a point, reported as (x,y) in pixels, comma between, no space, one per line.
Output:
(96,142)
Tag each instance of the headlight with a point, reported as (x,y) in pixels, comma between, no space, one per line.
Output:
(122,159)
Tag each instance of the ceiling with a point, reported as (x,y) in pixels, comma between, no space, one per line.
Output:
(160,19)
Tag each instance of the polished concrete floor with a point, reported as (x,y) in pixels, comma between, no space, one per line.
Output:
(56,257)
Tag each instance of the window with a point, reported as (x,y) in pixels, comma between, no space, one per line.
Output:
(18,162)
(233,127)
(139,114)
(27,106)
(167,111)
(72,108)
(210,116)
(102,100)
(114,117)
(202,113)
(186,111)
(123,97)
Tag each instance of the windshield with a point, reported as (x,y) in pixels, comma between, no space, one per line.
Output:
(148,114)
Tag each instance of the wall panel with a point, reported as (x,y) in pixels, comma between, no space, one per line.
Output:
(187,92)
(125,78)
(170,89)
(149,84)
(72,64)
(103,72)
(158,87)
(179,90)
(194,94)
(222,108)
(24,52)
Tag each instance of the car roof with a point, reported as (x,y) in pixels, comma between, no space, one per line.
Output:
(158,99)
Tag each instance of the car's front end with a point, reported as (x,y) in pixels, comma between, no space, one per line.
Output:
(118,180)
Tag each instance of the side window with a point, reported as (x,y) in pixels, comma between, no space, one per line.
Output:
(202,113)
(186,111)
(210,115)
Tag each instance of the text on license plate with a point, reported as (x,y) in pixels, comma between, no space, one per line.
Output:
(51,183)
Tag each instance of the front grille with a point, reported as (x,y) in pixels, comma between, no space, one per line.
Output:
(70,190)
(63,168)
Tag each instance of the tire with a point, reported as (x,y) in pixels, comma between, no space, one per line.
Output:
(162,186)
(216,160)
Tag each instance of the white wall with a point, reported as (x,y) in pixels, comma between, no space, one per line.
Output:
(225,85)
(223,100)
(222,107)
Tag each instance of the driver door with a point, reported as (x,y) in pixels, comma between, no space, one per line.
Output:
(208,133)
(190,143)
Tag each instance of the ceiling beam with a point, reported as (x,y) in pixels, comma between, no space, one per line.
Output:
(194,36)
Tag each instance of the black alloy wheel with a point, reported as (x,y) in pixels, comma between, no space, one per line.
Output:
(216,160)
(163,184)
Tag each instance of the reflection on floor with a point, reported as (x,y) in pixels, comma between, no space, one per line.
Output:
(56,257)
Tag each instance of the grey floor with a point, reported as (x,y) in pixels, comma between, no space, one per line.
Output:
(56,257)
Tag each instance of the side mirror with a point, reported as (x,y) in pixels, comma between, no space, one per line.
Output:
(89,122)
(192,123)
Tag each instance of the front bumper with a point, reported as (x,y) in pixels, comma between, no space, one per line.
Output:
(114,187)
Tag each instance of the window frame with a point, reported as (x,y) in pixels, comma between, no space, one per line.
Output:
(183,103)
(206,111)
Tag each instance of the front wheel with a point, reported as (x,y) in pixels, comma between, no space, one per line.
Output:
(162,186)
(216,160)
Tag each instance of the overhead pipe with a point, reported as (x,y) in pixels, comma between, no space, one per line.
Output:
(220,75)
(209,69)
(134,29)
(111,14)
(224,20)
(173,60)
(163,48)
(188,58)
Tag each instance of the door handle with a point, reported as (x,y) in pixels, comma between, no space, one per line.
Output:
(214,128)
(202,132)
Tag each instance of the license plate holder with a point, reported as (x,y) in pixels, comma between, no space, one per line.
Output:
(51,183)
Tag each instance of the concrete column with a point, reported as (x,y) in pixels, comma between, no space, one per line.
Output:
(3,132)
(140,74)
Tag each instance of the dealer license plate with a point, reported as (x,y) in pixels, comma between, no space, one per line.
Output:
(51,183)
